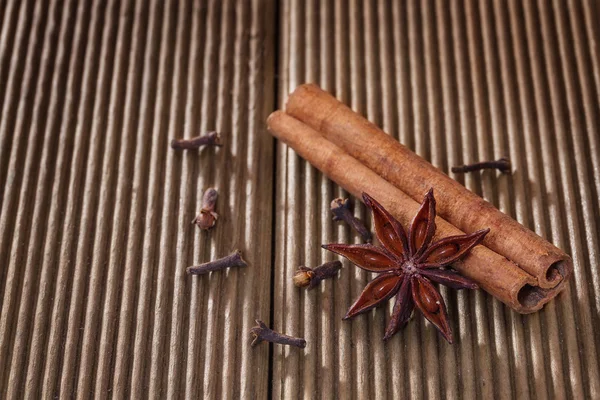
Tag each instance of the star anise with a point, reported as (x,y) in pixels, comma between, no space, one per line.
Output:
(407,266)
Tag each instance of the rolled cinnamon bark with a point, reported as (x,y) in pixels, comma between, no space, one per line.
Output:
(494,273)
(414,175)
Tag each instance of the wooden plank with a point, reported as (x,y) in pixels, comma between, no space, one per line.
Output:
(96,232)
(458,82)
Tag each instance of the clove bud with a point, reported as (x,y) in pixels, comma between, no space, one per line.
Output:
(207,217)
(310,278)
(503,165)
(210,139)
(263,333)
(233,260)
(341,211)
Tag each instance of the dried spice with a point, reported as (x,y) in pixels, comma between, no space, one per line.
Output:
(502,165)
(407,265)
(207,217)
(310,278)
(210,139)
(262,332)
(341,212)
(233,260)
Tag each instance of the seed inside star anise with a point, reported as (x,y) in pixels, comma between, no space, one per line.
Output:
(407,266)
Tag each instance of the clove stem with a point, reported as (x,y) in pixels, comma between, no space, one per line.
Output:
(310,278)
(341,211)
(233,260)
(263,333)
(502,165)
(210,139)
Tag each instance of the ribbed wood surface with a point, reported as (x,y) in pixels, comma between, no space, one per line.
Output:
(458,82)
(95,208)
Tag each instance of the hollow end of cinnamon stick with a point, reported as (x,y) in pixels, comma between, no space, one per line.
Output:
(493,272)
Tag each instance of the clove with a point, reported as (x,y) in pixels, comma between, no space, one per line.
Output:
(210,139)
(263,333)
(502,165)
(233,260)
(207,217)
(310,278)
(341,211)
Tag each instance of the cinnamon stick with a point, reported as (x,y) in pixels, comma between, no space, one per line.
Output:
(414,175)
(493,272)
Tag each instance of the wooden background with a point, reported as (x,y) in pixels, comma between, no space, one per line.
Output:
(95,208)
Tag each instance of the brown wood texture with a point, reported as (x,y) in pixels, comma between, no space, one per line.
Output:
(456,81)
(95,208)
